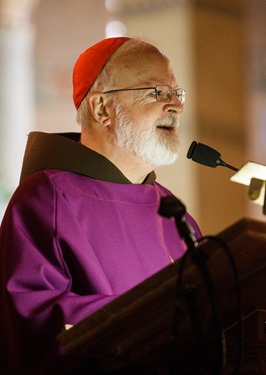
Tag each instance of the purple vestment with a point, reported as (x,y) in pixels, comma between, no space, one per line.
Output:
(70,244)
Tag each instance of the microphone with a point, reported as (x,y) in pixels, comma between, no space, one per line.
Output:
(206,155)
(170,206)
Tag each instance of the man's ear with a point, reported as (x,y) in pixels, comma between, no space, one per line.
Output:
(98,108)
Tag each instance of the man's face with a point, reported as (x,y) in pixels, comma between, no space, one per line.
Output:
(142,125)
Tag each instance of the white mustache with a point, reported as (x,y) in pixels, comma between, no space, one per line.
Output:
(167,121)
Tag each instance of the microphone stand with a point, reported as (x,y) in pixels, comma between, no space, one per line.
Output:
(170,206)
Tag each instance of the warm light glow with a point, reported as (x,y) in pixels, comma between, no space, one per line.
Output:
(252,174)
(115,28)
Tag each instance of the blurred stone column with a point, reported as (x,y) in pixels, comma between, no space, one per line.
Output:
(16,89)
(255,90)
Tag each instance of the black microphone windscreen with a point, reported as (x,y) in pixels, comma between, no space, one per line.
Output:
(203,154)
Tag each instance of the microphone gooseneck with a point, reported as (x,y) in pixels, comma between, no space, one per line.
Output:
(206,155)
(212,360)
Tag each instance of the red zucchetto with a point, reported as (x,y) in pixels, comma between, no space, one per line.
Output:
(89,65)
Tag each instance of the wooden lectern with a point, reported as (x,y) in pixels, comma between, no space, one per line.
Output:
(152,326)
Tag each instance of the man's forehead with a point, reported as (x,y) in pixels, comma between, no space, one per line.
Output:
(147,71)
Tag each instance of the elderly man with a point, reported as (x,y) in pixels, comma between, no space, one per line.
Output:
(82,228)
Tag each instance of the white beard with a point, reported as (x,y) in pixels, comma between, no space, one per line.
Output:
(153,147)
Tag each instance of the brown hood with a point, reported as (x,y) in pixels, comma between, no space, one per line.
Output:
(63,151)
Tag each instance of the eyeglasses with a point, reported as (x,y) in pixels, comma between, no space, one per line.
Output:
(162,93)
